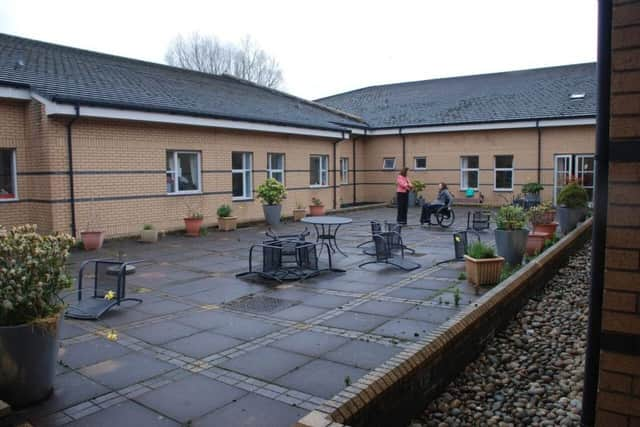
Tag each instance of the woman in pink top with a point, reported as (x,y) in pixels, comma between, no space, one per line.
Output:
(403,186)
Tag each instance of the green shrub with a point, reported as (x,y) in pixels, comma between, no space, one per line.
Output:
(147,227)
(508,270)
(224,211)
(511,218)
(33,272)
(271,192)
(573,195)
(204,231)
(532,188)
(417,186)
(316,202)
(479,250)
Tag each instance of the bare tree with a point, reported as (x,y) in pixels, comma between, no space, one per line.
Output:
(210,55)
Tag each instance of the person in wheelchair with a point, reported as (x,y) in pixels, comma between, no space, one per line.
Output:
(444,199)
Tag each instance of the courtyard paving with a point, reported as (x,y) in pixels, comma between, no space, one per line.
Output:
(208,349)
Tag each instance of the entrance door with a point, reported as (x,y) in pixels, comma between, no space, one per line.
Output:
(562,170)
(585,171)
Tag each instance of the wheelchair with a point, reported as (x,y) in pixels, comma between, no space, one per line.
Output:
(444,216)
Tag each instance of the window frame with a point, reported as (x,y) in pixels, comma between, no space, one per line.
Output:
(497,169)
(415,165)
(467,169)
(384,161)
(246,172)
(323,173)
(271,170)
(14,175)
(344,170)
(176,166)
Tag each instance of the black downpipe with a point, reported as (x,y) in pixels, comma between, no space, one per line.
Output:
(353,155)
(539,151)
(72,193)
(592,360)
(335,183)
(404,151)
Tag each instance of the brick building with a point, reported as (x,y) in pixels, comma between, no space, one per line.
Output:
(89,140)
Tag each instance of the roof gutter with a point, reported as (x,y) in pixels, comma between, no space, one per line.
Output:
(72,194)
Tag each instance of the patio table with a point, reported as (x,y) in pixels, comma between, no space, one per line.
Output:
(327,228)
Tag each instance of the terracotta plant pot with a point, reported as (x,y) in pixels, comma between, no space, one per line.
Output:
(316,210)
(149,236)
(299,213)
(92,240)
(483,271)
(227,223)
(550,228)
(535,242)
(193,226)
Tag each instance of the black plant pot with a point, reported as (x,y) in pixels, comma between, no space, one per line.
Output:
(511,245)
(28,355)
(532,197)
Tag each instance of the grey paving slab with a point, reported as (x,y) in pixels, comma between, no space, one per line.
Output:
(326,301)
(413,293)
(310,343)
(124,315)
(90,352)
(202,344)
(223,292)
(266,363)
(125,414)
(383,308)
(432,284)
(404,329)
(161,332)
(69,389)
(126,370)
(206,319)
(190,397)
(253,410)
(192,287)
(321,378)
(355,321)
(69,330)
(299,312)
(431,314)
(244,328)
(159,307)
(361,354)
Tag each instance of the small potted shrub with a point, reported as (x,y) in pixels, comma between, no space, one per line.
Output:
(316,208)
(226,222)
(531,191)
(193,223)
(481,264)
(416,188)
(572,205)
(541,218)
(92,237)
(299,212)
(148,234)
(511,234)
(33,272)
(271,192)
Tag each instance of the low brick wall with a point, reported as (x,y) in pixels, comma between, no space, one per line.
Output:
(401,387)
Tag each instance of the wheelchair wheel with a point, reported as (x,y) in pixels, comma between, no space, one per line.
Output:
(445,217)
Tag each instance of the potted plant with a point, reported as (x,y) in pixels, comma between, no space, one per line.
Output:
(541,218)
(511,234)
(193,223)
(481,264)
(299,212)
(416,188)
(572,205)
(271,192)
(226,222)
(316,208)
(33,272)
(148,234)
(531,191)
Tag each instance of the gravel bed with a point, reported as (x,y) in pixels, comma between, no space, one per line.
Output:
(532,373)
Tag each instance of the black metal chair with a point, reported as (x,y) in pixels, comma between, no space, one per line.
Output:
(377,228)
(478,220)
(109,288)
(389,249)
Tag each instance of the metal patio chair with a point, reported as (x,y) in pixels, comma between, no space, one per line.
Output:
(390,250)
(376,228)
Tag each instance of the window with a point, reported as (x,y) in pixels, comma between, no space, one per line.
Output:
(319,167)
(503,173)
(389,163)
(241,176)
(573,166)
(275,167)
(420,163)
(469,171)
(344,170)
(8,181)
(183,172)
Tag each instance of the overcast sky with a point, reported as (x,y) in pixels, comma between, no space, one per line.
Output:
(331,46)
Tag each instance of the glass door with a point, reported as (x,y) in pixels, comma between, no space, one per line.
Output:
(562,171)
(585,171)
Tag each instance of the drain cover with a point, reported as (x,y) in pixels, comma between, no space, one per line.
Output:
(260,304)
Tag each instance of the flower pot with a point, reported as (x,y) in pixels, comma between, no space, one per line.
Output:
(550,228)
(299,213)
(483,271)
(28,361)
(149,236)
(272,214)
(316,210)
(569,218)
(532,197)
(193,226)
(535,242)
(227,223)
(511,245)
(412,199)
(92,240)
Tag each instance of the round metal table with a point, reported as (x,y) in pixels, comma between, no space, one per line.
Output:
(326,229)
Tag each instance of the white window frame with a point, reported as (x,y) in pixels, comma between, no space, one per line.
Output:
(14,175)
(247,175)
(176,172)
(463,170)
(324,170)
(497,169)
(415,163)
(344,170)
(384,163)
(580,173)
(557,186)
(270,170)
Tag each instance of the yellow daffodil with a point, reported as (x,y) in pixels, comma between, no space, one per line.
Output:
(110,295)
(112,335)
